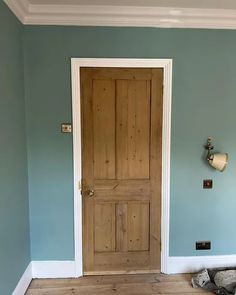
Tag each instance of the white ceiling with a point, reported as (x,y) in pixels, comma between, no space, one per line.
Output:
(209,4)
(205,14)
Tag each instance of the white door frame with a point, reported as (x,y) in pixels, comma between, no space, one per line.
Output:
(76,64)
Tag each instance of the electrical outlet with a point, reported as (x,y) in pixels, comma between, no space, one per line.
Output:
(203,245)
(207,183)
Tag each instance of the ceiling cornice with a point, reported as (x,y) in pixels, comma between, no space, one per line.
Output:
(162,17)
(19,7)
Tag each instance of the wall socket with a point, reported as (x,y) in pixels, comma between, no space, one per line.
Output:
(207,183)
(203,245)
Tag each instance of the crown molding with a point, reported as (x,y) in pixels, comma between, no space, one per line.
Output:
(126,16)
(19,7)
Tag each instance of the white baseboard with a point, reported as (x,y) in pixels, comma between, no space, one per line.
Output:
(24,282)
(193,264)
(67,269)
(53,269)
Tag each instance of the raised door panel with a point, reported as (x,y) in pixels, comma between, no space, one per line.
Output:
(133,129)
(104,227)
(138,226)
(103,129)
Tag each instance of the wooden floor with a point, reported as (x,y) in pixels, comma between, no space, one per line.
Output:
(147,284)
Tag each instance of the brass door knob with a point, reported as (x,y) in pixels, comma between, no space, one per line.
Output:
(88,193)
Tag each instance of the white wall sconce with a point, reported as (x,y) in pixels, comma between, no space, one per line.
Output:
(218,161)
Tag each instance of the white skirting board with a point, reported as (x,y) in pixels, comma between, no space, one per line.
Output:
(191,264)
(44,269)
(67,269)
(24,282)
(53,269)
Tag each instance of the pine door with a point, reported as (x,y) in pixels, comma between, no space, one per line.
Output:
(121,168)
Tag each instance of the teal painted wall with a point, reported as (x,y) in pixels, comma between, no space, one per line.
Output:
(14,208)
(204,103)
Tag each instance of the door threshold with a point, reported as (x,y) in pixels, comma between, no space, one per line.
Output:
(121,272)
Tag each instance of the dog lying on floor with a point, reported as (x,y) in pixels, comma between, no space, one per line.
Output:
(220,281)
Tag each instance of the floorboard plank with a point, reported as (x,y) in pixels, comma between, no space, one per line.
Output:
(147,284)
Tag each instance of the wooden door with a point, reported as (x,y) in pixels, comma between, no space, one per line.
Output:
(121,168)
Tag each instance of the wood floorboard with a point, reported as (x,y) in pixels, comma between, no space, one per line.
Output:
(147,284)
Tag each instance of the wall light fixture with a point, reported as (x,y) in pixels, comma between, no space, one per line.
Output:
(218,161)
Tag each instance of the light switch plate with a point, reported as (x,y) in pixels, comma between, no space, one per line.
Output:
(66,127)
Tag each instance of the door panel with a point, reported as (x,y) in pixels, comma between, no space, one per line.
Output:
(104,126)
(133,129)
(104,227)
(121,162)
(138,226)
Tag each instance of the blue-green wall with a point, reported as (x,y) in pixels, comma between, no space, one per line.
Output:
(14,209)
(204,103)
(35,65)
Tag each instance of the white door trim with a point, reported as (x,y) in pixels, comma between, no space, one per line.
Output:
(166,64)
